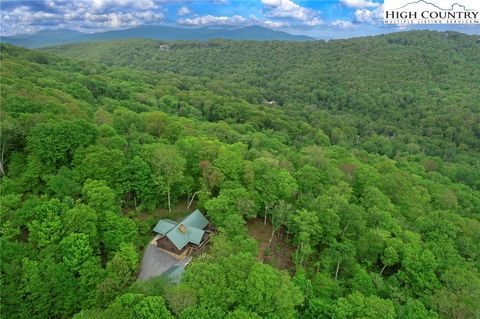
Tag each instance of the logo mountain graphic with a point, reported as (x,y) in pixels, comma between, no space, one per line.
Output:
(424,3)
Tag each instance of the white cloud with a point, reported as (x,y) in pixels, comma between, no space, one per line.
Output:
(212,20)
(314,22)
(253,20)
(183,11)
(101,5)
(343,24)
(81,15)
(359,4)
(369,16)
(274,24)
(236,20)
(284,9)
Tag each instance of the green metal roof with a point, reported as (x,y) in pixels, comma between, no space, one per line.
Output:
(178,238)
(195,235)
(195,219)
(164,226)
(194,224)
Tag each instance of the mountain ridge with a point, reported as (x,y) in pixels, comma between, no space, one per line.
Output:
(46,38)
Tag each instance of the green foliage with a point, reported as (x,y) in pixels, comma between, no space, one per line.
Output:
(240,281)
(358,306)
(379,213)
(55,142)
(99,196)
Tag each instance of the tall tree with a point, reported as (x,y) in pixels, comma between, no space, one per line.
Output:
(168,167)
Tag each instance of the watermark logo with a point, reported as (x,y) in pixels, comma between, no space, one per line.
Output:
(432,12)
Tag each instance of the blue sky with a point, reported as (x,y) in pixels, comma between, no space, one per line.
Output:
(323,19)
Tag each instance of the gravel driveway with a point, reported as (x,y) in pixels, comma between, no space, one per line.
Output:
(155,262)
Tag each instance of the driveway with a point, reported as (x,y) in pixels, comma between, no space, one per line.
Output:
(155,262)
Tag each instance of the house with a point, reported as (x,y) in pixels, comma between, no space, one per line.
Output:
(164,47)
(180,239)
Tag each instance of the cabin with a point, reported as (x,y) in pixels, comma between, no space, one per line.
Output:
(180,239)
(164,47)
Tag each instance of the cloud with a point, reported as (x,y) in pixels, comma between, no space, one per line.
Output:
(253,20)
(285,9)
(102,5)
(80,15)
(369,16)
(343,24)
(274,24)
(183,11)
(359,4)
(236,20)
(212,20)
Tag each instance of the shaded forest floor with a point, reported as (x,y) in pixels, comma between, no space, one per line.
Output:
(179,210)
(278,254)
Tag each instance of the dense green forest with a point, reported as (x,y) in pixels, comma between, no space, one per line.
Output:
(363,155)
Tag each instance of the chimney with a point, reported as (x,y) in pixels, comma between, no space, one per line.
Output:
(182,229)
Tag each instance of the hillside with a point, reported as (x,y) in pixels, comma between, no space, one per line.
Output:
(57,37)
(369,182)
(394,94)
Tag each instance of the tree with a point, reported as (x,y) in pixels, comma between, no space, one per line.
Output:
(56,142)
(279,218)
(46,231)
(337,255)
(307,232)
(230,162)
(168,167)
(120,271)
(139,306)
(274,184)
(459,295)
(115,231)
(101,117)
(64,184)
(84,220)
(418,270)
(99,196)
(141,183)
(98,162)
(180,298)
(356,305)
(415,309)
(271,293)
(389,258)
(131,306)
(239,281)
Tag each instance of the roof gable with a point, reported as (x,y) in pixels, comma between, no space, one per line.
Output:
(195,235)
(196,219)
(164,226)
(178,238)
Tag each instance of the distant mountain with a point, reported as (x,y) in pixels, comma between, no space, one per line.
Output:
(56,37)
(45,38)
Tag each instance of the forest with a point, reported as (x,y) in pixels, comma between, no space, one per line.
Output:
(362,156)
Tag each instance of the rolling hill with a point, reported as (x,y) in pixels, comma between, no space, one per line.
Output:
(358,158)
(56,37)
